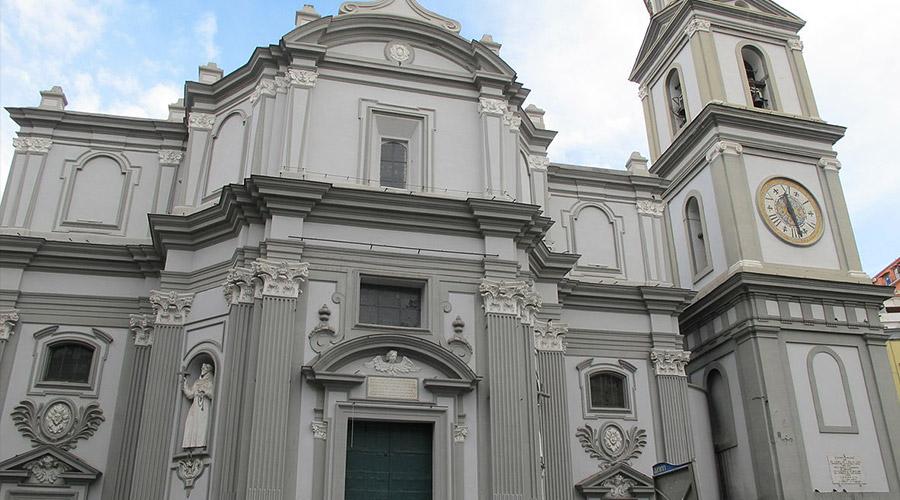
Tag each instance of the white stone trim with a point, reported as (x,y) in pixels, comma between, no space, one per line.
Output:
(724,148)
(550,336)
(170,157)
(828,163)
(670,361)
(37,145)
(512,120)
(141,326)
(302,78)
(239,286)
(650,208)
(8,320)
(795,44)
(172,308)
(517,298)
(319,429)
(201,121)
(491,106)
(643,93)
(263,88)
(460,432)
(279,278)
(538,162)
(697,24)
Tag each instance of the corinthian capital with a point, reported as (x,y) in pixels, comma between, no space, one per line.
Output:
(670,361)
(239,286)
(516,298)
(491,106)
(171,307)
(550,336)
(280,279)
(8,320)
(36,145)
(141,326)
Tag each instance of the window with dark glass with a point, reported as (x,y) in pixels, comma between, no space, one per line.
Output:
(608,390)
(390,305)
(69,362)
(394,161)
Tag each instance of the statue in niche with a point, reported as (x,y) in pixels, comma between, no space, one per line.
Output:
(201,395)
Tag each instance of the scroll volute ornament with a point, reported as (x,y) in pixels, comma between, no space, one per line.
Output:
(457,344)
(171,307)
(322,336)
(511,297)
(280,278)
(57,423)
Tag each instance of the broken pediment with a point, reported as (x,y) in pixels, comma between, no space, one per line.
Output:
(47,466)
(401,8)
(619,482)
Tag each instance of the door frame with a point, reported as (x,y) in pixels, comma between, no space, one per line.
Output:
(336,464)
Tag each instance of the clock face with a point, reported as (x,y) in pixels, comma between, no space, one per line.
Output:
(790,211)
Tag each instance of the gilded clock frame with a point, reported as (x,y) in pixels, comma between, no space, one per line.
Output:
(761,209)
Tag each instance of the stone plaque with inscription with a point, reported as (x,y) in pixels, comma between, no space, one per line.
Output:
(846,469)
(406,389)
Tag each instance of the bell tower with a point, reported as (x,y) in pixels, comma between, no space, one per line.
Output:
(784,332)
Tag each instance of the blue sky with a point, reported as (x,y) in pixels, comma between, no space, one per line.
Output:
(121,57)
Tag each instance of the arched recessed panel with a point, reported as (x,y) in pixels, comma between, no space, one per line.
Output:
(524,194)
(831,392)
(758,80)
(721,415)
(697,238)
(85,205)
(227,151)
(595,238)
(677,104)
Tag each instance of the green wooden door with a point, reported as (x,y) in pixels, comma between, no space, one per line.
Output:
(388,461)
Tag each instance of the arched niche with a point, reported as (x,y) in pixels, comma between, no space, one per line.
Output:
(677,100)
(721,413)
(831,394)
(697,237)
(97,192)
(205,353)
(524,177)
(756,72)
(226,154)
(595,232)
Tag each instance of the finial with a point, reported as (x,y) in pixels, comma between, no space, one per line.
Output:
(306,15)
(209,73)
(488,40)
(54,98)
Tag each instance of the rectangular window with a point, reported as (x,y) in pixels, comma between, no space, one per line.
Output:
(394,163)
(390,304)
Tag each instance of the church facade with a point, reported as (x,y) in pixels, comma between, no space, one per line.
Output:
(349,269)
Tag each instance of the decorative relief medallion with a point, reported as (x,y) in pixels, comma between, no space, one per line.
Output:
(457,344)
(670,361)
(511,297)
(188,470)
(56,423)
(491,106)
(619,487)
(46,470)
(171,307)
(141,326)
(37,145)
(610,444)
(651,208)
(8,320)
(322,336)
(263,88)
(238,286)
(392,364)
(201,121)
(399,52)
(537,162)
(795,44)
(319,429)
(302,77)
(170,157)
(460,432)
(279,278)
(696,25)
(550,336)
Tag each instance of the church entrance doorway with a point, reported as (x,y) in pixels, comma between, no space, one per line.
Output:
(388,460)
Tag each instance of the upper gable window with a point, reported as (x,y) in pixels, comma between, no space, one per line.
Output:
(394,163)
(677,106)
(757,78)
(69,362)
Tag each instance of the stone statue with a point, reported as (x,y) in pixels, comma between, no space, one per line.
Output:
(197,422)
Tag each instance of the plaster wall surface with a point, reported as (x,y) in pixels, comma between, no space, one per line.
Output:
(701,185)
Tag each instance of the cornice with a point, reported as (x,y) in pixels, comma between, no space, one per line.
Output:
(72,124)
(718,114)
(643,298)
(40,254)
(607,178)
(548,265)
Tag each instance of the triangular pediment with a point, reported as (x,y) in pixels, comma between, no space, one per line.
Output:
(47,465)
(617,481)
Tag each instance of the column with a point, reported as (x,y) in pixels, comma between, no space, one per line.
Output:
(28,163)
(279,291)
(703,51)
(8,321)
(199,134)
(549,341)
(301,83)
(161,393)
(672,386)
(509,308)
(735,204)
(492,112)
(839,215)
(239,295)
(124,448)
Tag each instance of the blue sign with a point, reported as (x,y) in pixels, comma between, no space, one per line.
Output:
(663,468)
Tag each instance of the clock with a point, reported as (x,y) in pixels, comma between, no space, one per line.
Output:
(790,211)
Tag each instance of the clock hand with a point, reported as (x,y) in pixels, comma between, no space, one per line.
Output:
(792,213)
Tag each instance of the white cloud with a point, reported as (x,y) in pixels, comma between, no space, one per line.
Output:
(64,27)
(206,29)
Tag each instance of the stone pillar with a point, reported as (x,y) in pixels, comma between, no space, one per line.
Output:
(239,295)
(8,321)
(301,82)
(199,134)
(120,475)
(839,216)
(674,411)
(492,111)
(279,289)
(549,341)
(161,392)
(29,161)
(509,308)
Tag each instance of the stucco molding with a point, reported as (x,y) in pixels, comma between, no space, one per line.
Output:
(550,336)
(323,335)
(457,344)
(399,52)
(36,145)
(491,106)
(651,208)
(319,429)
(697,24)
(670,361)
(512,120)
(239,286)
(170,157)
(830,163)
(724,148)
(643,93)
(58,422)
(612,445)
(141,326)
(517,298)
(279,278)
(172,308)
(302,78)
(795,44)
(538,162)
(8,321)
(263,88)
(201,121)
(460,432)
(404,8)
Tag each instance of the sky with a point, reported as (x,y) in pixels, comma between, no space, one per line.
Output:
(132,58)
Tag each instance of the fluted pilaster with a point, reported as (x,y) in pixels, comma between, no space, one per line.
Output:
(549,342)
(673,404)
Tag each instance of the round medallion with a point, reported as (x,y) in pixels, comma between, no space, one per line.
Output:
(790,211)
(613,439)
(57,419)
(399,52)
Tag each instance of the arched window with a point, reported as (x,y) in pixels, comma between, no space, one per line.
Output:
(677,108)
(758,78)
(609,390)
(721,418)
(394,160)
(69,362)
(693,217)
